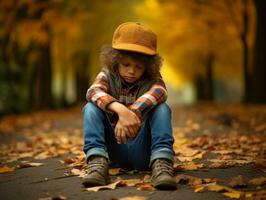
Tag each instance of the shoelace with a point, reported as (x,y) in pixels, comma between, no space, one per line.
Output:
(163,167)
(95,165)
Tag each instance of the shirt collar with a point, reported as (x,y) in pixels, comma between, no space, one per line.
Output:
(128,85)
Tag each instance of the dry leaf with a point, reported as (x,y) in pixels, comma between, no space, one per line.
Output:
(258,181)
(238,181)
(199,188)
(147,178)
(132,182)
(233,195)
(145,187)
(191,166)
(114,171)
(186,179)
(27,164)
(111,186)
(133,198)
(69,160)
(6,169)
(218,188)
(60,197)
(42,155)
(78,172)
(198,155)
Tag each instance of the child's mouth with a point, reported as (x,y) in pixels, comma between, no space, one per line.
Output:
(129,78)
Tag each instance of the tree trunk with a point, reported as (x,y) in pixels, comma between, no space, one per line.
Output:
(42,95)
(243,37)
(82,76)
(259,65)
(209,78)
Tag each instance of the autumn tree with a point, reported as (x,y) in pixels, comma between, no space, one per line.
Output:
(259,64)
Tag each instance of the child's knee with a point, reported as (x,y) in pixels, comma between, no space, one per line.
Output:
(90,109)
(162,109)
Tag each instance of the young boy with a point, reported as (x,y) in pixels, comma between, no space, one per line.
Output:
(126,119)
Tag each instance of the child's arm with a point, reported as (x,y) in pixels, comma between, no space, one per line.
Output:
(154,96)
(97,93)
(128,122)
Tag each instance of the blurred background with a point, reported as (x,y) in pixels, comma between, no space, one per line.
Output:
(49,49)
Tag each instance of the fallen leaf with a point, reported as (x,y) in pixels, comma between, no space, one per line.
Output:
(69,160)
(60,197)
(199,188)
(191,166)
(114,171)
(111,186)
(27,164)
(145,187)
(133,198)
(132,182)
(218,188)
(186,179)
(188,152)
(258,181)
(147,178)
(42,155)
(78,172)
(261,195)
(238,181)
(233,195)
(6,169)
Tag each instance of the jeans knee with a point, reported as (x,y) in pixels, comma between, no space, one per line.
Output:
(162,109)
(90,109)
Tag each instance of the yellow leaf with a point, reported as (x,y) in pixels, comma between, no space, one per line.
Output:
(233,195)
(191,166)
(258,181)
(6,169)
(199,188)
(111,186)
(185,159)
(218,188)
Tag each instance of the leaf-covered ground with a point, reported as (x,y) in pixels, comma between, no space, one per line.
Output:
(220,154)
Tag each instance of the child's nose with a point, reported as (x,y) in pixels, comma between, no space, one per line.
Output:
(131,70)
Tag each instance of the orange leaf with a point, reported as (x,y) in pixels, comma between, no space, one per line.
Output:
(6,169)
(258,181)
(111,186)
(114,171)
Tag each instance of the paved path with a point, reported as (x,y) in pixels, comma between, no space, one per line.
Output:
(19,184)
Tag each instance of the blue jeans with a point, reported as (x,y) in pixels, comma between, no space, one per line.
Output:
(154,139)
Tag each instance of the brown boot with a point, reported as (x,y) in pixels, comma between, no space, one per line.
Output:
(163,175)
(97,172)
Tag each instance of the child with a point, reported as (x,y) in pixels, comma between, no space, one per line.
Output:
(126,119)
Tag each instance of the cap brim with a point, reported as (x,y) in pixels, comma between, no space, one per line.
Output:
(134,48)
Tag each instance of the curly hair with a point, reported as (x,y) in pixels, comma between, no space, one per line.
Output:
(109,58)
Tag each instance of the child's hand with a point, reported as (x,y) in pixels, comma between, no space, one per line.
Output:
(128,123)
(127,126)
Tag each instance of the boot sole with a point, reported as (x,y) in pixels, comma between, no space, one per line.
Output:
(94,182)
(165,186)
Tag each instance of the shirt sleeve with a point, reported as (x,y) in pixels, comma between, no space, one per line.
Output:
(98,92)
(154,96)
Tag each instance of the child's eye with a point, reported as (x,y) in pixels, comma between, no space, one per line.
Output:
(139,67)
(125,64)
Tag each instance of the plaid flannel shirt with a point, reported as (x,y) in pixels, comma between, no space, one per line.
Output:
(98,94)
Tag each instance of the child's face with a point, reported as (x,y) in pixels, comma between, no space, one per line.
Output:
(130,69)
